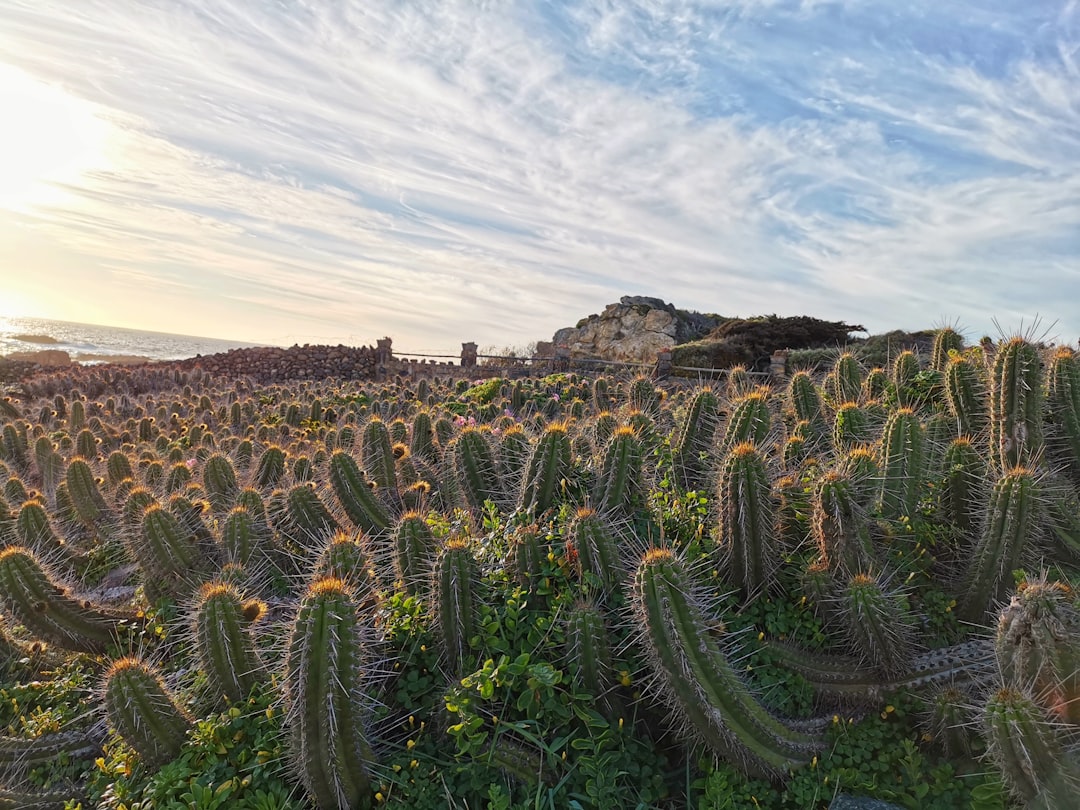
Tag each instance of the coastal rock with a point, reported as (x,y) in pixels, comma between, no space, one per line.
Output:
(43,357)
(633,330)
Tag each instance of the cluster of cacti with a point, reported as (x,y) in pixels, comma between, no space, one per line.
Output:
(627,517)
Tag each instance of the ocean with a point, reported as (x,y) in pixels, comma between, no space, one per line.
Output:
(90,343)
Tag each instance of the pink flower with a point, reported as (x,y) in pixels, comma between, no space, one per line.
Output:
(459,421)
(472,421)
(555,397)
(190,463)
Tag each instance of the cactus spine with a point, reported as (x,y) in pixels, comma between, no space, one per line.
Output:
(477,471)
(965,394)
(356,494)
(550,465)
(454,585)
(589,655)
(750,421)
(902,452)
(414,551)
(377,455)
(1063,407)
(879,624)
(695,438)
(595,550)
(840,528)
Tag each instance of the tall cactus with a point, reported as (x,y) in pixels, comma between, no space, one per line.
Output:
(902,464)
(219,479)
(965,394)
(695,439)
(1012,522)
(846,378)
(356,494)
(414,551)
(377,455)
(143,712)
(226,652)
(594,548)
(550,466)
(698,680)
(1063,409)
(589,655)
(879,623)
(327,702)
(620,484)
(478,473)
(454,585)
(840,527)
(1016,401)
(85,495)
(748,521)
(947,342)
(750,421)
(962,496)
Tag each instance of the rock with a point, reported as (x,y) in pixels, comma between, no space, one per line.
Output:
(44,357)
(633,330)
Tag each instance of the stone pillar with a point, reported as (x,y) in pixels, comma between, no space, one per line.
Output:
(561,360)
(778,364)
(663,364)
(468,355)
(383,351)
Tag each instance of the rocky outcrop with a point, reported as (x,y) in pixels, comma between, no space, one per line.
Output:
(634,330)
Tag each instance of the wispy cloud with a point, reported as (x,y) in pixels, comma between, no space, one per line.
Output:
(446,171)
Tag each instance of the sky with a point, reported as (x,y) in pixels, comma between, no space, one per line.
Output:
(308,171)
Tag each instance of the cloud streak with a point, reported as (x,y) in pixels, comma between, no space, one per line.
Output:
(448,171)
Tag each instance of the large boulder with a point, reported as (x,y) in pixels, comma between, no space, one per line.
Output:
(633,330)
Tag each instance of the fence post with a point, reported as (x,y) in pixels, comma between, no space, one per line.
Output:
(778,364)
(663,364)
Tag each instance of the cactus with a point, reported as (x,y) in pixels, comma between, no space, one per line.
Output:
(878,623)
(85,495)
(1016,400)
(1038,646)
(750,421)
(414,551)
(118,468)
(356,494)
(527,554)
(1011,524)
(588,654)
(223,643)
(747,521)
(549,467)
(377,455)
(271,467)
(696,434)
(902,458)
(454,584)
(846,378)
(141,710)
(33,529)
(327,704)
(947,342)
(851,426)
(804,400)
(643,396)
(698,680)
(30,597)
(514,450)
(1030,751)
(594,550)
(306,522)
(1063,409)
(965,394)
(840,528)
(168,552)
(478,474)
(620,482)
(219,479)
(961,497)
(348,557)
(20,755)
(423,437)
(905,370)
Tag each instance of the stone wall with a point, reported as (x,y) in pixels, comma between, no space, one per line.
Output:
(272,364)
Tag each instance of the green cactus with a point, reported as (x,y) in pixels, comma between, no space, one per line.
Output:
(902,464)
(118,468)
(965,394)
(141,710)
(851,426)
(1012,521)
(644,397)
(377,455)
(34,529)
(271,467)
(327,702)
(879,624)
(1063,409)
(588,654)
(804,399)
(905,370)
(595,550)
(222,629)
(306,520)
(620,483)
(414,551)
(962,497)
(1016,401)
(356,494)
(698,680)
(454,585)
(947,343)
(1030,751)
(219,479)
(748,521)
(695,439)
(478,474)
(349,557)
(840,527)
(750,421)
(85,495)
(31,598)
(423,437)
(514,451)
(550,465)
(167,552)
(846,379)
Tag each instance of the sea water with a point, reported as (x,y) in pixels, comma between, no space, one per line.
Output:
(93,343)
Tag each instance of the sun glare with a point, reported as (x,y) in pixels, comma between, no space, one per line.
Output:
(49,140)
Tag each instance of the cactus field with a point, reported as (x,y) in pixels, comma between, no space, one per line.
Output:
(558,592)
